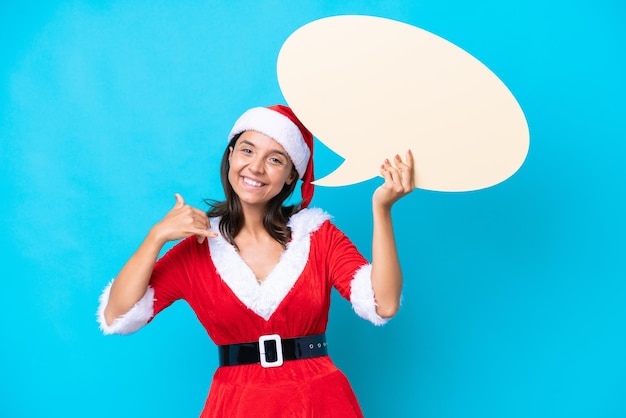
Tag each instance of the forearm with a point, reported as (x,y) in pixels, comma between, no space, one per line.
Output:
(132,281)
(386,272)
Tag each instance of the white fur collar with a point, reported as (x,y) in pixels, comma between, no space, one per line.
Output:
(264,298)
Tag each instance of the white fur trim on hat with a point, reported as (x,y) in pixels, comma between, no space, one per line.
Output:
(133,320)
(278,127)
(362,296)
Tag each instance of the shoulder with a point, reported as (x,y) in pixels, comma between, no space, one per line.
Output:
(186,249)
(308,221)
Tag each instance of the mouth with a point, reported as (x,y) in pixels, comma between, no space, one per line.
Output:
(251,182)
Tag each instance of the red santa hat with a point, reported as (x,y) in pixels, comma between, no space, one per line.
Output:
(281,124)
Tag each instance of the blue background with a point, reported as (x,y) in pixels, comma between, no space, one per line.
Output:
(515,296)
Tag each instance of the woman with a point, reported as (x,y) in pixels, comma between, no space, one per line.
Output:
(259,275)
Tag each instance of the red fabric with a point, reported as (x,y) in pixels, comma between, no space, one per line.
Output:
(302,388)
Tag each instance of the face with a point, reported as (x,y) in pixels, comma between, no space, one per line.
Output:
(259,168)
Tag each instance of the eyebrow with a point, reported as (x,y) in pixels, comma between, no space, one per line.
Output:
(272,152)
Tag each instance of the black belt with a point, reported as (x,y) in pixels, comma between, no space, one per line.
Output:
(271,350)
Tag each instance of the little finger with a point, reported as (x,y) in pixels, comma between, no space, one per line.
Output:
(395,174)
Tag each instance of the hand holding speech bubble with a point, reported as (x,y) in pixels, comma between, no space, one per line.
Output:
(370,88)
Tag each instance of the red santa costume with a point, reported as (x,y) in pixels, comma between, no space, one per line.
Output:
(293,301)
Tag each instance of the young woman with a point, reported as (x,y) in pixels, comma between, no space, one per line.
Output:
(259,274)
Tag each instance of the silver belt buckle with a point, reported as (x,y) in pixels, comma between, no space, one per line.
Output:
(279,350)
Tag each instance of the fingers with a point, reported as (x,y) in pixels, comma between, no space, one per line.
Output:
(394,172)
(201,232)
(406,170)
(402,172)
(399,180)
(390,173)
(180,202)
(384,171)
(202,226)
(201,235)
(184,220)
(198,216)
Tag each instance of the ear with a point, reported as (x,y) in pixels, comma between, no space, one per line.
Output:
(230,153)
(293,176)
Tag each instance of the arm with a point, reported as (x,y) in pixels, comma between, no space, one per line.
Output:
(132,281)
(386,273)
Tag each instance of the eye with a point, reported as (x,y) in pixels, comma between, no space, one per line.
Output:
(276,160)
(246,150)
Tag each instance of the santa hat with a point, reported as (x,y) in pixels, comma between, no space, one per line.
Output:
(281,124)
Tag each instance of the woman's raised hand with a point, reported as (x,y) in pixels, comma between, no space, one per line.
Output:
(399,181)
(183,221)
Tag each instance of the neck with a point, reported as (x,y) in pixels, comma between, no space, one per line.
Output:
(253,220)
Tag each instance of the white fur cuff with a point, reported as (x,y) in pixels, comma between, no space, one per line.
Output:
(133,320)
(362,296)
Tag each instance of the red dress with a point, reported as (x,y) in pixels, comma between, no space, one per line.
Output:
(292,301)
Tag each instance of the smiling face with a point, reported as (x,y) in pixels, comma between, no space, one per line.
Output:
(259,168)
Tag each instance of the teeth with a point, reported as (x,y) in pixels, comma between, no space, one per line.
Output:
(252,182)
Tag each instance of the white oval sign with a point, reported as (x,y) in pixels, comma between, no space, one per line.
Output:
(370,88)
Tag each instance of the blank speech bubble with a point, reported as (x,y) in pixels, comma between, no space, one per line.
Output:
(370,88)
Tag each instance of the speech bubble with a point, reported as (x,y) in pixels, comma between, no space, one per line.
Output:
(369,88)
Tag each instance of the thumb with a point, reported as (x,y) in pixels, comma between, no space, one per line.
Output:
(180,202)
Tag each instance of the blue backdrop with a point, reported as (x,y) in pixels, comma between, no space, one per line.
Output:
(514,302)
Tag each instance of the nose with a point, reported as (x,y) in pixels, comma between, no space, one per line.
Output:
(257,164)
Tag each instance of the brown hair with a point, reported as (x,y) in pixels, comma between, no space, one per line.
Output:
(275,216)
